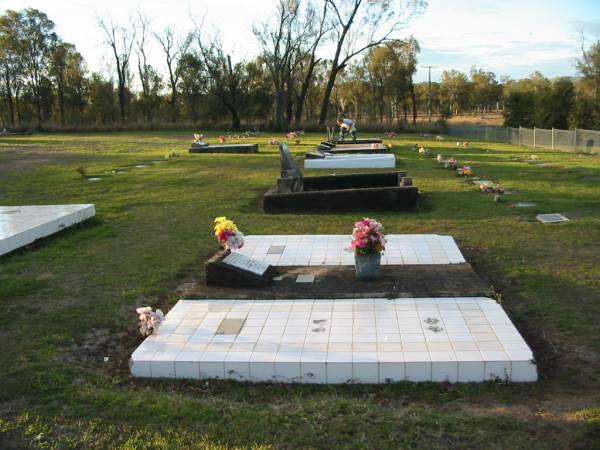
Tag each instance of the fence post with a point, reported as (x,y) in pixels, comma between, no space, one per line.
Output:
(575,140)
(533,137)
(520,135)
(552,138)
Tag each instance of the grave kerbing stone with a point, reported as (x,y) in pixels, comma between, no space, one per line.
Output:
(236,270)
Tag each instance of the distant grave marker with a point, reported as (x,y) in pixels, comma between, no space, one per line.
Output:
(551,218)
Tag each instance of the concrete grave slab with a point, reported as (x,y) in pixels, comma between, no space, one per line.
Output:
(21,225)
(551,218)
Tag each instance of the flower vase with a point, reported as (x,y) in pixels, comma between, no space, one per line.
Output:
(367,266)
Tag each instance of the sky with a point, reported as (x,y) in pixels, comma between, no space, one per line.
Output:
(509,37)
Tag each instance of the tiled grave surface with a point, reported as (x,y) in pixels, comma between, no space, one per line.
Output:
(338,341)
(333,250)
(364,161)
(21,225)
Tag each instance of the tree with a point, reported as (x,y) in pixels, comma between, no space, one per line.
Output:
(193,84)
(359,25)
(102,101)
(225,80)
(11,64)
(485,89)
(150,79)
(587,107)
(120,40)
(519,109)
(553,104)
(278,44)
(36,40)
(67,71)
(454,91)
(174,49)
(313,33)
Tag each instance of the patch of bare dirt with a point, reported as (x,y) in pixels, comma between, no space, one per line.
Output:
(14,161)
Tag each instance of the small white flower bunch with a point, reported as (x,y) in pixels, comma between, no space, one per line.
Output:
(149,320)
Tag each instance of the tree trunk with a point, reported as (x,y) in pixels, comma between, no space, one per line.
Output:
(122,101)
(235,120)
(61,100)
(301,97)
(327,96)
(414,102)
(279,101)
(9,100)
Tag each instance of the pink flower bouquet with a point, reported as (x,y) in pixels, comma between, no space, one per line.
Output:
(368,237)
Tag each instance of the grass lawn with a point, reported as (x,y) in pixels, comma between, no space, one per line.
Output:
(68,301)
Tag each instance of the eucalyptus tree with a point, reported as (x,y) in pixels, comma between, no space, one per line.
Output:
(34,39)
(121,40)
(289,44)
(279,44)
(62,55)
(357,26)
(150,79)
(225,80)
(11,63)
(174,48)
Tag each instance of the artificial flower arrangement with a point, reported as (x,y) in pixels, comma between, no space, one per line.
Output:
(368,237)
(391,134)
(424,151)
(221,139)
(465,171)
(149,320)
(227,234)
(451,163)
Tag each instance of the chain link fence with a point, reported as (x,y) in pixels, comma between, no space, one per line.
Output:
(575,141)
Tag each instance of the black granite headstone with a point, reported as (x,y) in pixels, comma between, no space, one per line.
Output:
(237,270)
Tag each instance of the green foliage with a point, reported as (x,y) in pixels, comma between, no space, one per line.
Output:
(519,109)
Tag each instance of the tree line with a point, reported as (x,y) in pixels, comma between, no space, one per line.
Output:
(318,59)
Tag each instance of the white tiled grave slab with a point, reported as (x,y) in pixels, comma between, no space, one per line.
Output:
(21,225)
(363,161)
(338,341)
(334,250)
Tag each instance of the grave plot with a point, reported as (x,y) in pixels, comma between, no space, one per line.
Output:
(325,341)
(21,225)
(333,250)
(223,148)
(370,146)
(322,266)
(355,192)
(360,161)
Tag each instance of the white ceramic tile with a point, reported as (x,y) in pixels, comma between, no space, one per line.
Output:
(237,366)
(418,366)
(313,367)
(287,367)
(523,371)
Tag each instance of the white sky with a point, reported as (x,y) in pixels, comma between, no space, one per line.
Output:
(509,37)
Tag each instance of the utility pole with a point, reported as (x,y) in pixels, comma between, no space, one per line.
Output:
(429,93)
